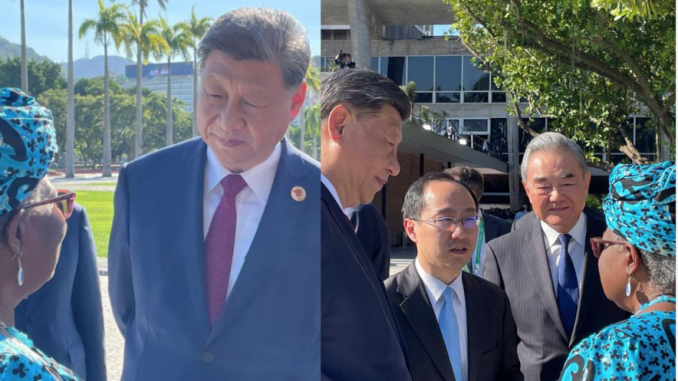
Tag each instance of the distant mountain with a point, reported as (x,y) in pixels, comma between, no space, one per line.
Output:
(8,49)
(94,67)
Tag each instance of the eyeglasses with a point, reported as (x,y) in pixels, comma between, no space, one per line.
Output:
(598,244)
(64,201)
(446,223)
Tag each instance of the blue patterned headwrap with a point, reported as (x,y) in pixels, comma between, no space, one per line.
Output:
(27,146)
(637,206)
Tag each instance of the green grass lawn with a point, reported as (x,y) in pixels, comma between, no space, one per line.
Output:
(99,206)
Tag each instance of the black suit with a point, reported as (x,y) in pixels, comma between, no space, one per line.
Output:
(491,331)
(360,338)
(371,230)
(518,263)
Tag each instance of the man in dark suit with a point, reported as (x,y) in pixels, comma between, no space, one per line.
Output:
(215,248)
(547,268)
(372,232)
(64,318)
(491,227)
(479,342)
(361,127)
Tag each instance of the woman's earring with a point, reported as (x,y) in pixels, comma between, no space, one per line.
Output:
(628,287)
(20,275)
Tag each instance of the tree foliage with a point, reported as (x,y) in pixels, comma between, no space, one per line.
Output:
(576,64)
(45,75)
(89,108)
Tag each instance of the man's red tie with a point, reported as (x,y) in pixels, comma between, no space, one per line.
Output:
(219,246)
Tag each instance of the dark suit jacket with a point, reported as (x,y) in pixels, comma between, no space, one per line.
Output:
(360,338)
(517,262)
(371,230)
(495,227)
(269,328)
(491,331)
(64,317)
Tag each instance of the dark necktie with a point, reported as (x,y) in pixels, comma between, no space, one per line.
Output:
(219,246)
(568,289)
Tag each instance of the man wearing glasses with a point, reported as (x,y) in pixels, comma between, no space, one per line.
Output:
(547,268)
(214,260)
(457,326)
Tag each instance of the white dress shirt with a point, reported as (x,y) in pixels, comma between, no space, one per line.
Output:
(332,189)
(249,203)
(435,289)
(576,249)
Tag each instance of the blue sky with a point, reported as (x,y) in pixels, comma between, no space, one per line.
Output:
(47,21)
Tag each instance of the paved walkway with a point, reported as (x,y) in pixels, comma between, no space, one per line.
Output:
(88,182)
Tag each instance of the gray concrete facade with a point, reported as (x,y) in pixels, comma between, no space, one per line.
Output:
(359,18)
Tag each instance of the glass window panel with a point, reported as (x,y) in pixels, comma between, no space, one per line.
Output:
(375,64)
(498,97)
(424,98)
(645,136)
(474,78)
(448,97)
(394,68)
(475,126)
(420,71)
(448,73)
(476,97)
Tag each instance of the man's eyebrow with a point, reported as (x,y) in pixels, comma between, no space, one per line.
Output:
(567,176)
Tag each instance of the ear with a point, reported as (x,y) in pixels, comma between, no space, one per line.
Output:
(13,233)
(587,180)
(337,121)
(298,100)
(409,230)
(634,259)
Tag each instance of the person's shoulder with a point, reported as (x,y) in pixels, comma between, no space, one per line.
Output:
(303,159)
(496,220)
(490,291)
(168,156)
(391,285)
(509,240)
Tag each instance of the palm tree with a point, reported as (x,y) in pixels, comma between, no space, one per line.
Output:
(312,86)
(107,29)
(178,38)
(198,28)
(138,147)
(142,39)
(70,116)
(24,61)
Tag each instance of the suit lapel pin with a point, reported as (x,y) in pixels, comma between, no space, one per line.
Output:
(298,194)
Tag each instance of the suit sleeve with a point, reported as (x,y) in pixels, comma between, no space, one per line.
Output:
(491,271)
(86,302)
(373,236)
(510,363)
(120,282)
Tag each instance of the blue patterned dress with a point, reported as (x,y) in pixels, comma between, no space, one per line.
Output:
(20,361)
(640,348)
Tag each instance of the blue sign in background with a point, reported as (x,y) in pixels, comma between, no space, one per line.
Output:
(159,70)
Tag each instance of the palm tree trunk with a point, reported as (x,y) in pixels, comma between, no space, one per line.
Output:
(315,147)
(302,130)
(107,119)
(70,115)
(195,89)
(169,102)
(138,142)
(24,62)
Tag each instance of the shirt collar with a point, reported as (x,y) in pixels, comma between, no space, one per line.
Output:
(578,231)
(436,288)
(332,189)
(258,178)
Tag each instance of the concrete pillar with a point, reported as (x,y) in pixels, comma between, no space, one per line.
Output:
(358,18)
(514,161)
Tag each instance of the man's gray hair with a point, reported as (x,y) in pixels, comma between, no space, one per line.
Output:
(550,141)
(363,92)
(268,35)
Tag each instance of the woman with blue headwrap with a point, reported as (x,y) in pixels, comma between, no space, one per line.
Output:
(637,264)
(32,225)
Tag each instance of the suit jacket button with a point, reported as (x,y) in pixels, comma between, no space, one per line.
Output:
(207,357)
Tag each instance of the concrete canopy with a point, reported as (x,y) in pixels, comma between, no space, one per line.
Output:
(391,12)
